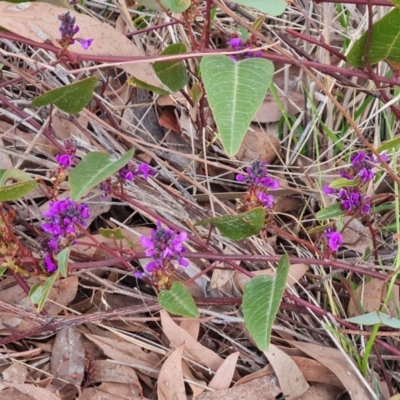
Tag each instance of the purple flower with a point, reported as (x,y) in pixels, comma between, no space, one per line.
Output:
(130,171)
(49,264)
(64,160)
(257,174)
(236,43)
(85,43)
(328,190)
(166,247)
(266,199)
(335,239)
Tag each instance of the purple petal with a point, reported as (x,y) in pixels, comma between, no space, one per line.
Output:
(85,43)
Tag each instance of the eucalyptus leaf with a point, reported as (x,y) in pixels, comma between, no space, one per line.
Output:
(238,227)
(70,98)
(93,169)
(261,300)
(235,91)
(178,301)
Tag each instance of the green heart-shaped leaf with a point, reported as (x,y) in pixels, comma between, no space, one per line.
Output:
(261,300)
(178,300)
(177,6)
(270,7)
(235,91)
(16,191)
(71,98)
(93,169)
(238,227)
(385,42)
(172,73)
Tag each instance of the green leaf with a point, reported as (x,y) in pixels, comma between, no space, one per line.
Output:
(332,211)
(93,169)
(172,73)
(178,300)
(396,3)
(375,317)
(40,292)
(71,98)
(62,261)
(143,85)
(196,93)
(385,42)
(177,6)
(115,234)
(238,227)
(342,182)
(270,7)
(235,91)
(2,270)
(390,144)
(261,300)
(16,190)
(15,175)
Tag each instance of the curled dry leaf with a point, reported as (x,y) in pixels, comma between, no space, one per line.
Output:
(39,22)
(170,381)
(321,392)
(67,360)
(291,379)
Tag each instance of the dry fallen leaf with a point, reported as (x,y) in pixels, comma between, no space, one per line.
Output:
(34,392)
(223,377)
(39,22)
(112,391)
(291,379)
(67,360)
(257,144)
(321,392)
(371,294)
(266,388)
(193,349)
(15,373)
(338,364)
(128,354)
(170,384)
(296,272)
(197,385)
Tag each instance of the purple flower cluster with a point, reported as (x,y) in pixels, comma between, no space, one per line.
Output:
(352,197)
(334,238)
(68,30)
(165,246)
(238,44)
(61,218)
(259,182)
